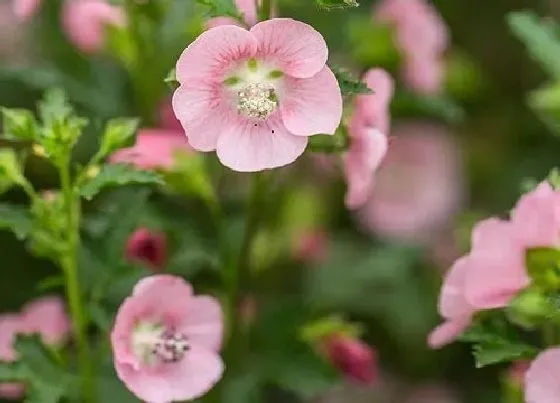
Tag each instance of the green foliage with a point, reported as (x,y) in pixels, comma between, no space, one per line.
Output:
(118,175)
(217,8)
(546,103)
(15,219)
(540,37)
(350,85)
(543,265)
(118,133)
(334,4)
(530,308)
(18,124)
(436,106)
(10,168)
(496,341)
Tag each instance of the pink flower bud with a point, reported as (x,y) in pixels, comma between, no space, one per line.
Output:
(147,247)
(354,358)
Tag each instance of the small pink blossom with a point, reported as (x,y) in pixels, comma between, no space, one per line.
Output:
(354,358)
(47,317)
(25,9)
(541,380)
(368,130)
(85,22)
(166,341)
(418,187)
(255,96)
(147,247)
(422,37)
(154,148)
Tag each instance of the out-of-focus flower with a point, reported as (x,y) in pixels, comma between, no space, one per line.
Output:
(422,37)
(148,247)
(255,96)
(154,148)
(311,246)
(541,380)
(418,187)
(354,358)
(368,130)
(166,341)
(494,271)
(25,9)
(47,317)
(85,22)
(9,328)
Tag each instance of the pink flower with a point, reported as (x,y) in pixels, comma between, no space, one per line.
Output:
(422,36)
(9,327)
(311,246)
(255,96)
(368,132)
(25,9)
(154,148)
(85,22)
(166,341)
(47,317)
(453,306)
(147,247)
(418,187)
(541,380)
(247,8)
(354,358)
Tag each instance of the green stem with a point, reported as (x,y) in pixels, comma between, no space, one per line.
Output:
(70,267)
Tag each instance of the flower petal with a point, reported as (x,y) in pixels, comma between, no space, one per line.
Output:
(47,317)
(187,379)
(452,301)
(448,331)
(312,105)
(247,146)
(373,109)
(204,323)
(213,52)
(294,47)
(541,380)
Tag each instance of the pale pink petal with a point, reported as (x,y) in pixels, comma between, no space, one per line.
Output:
(187,379)
(452,301)
(373,110)
(247,146)
(497,266)
(424,74)
(366,152)
(85,22)
(248,8)
(47,317)
(202,114)
(312,105)
(160,281)
(204,324)
(25,9)
(541,380)
(296,48)
(536,218)
(208,57)
(219,21)
(448,331)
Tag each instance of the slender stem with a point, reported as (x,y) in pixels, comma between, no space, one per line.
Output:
(70,267)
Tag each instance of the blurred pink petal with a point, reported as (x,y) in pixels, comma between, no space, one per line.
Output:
(148,247)
(541,380)
(47,317)
(25,9)
(166,349)
(448,331)
(154,148)
(85,22)
(312,246)
(10,325)
(355,359)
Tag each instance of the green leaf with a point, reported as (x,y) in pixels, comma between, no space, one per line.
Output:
(494,353)
(15,219)
(217,8)
(543,265)
(10,167)
(118,175)
(18,124)
(11,372)
(118,133)
(540,37)
(350,85)
(334,4)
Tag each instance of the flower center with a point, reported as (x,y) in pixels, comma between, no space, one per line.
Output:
(257,100)
(153,344)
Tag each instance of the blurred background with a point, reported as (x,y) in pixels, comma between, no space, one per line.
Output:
(464,153)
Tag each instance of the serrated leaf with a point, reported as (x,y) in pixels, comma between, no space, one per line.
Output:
(349,84)
(118,175)
(217,8)
(118,133)
(16,219)
(540,37)
(335,4)
(494,353)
